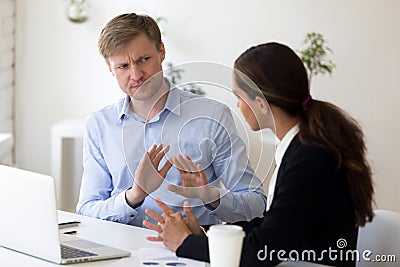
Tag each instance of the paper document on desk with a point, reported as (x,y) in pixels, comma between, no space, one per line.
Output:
(162,256)
(65,221)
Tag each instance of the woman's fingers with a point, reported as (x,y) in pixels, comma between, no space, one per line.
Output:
(157,217)
(188,210)
(152,226)
(154,238)
(167,210)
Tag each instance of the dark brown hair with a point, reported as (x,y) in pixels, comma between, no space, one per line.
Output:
(120,30)
(282,79)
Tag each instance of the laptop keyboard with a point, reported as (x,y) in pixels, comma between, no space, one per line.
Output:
(70,252)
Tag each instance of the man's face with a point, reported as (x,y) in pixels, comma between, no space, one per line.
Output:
(135,66)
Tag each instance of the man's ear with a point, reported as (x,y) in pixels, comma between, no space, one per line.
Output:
(109,68)
(162,51)
(262,104)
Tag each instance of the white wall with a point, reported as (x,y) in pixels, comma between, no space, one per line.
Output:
(61,75)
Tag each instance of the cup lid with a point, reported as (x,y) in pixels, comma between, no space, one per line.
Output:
(225,229)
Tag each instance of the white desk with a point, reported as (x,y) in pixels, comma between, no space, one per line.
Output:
(118,235)
(121,236)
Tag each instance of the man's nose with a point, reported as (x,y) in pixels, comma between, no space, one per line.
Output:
(136,72)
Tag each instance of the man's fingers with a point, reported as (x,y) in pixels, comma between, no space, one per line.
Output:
(178,165)
(154,150)
(178,190)
(190,164)
(189,192)
(202,173)
(151,151)
(183,163)
(160,154)
(164,170)
(172,188)
(175,188)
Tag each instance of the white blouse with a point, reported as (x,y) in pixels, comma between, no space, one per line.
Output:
(280,151)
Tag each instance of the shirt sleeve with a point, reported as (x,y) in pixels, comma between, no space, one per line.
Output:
(194,247)
(95,197)
(241,196)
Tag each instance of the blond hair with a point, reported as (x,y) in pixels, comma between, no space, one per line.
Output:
(120,30)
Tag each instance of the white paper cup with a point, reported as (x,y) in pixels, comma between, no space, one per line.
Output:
(225,245)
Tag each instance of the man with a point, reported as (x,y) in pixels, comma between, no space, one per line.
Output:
(124,142)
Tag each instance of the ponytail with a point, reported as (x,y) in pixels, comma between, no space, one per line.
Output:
(326,126)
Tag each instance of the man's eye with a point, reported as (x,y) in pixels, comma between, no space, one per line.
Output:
(123,66)
(144,59)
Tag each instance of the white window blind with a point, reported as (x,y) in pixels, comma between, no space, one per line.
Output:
(7,59)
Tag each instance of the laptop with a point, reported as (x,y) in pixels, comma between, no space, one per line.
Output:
(29,222)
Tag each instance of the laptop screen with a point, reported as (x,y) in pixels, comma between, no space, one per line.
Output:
(28,213)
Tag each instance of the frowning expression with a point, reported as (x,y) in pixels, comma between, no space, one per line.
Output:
(138,67)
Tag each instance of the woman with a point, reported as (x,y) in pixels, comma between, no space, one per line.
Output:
(321,191)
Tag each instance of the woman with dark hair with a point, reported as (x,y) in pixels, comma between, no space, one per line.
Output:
(321,190)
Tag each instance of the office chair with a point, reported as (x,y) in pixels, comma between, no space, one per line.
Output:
(382,238)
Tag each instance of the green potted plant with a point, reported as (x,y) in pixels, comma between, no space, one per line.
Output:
(315,55)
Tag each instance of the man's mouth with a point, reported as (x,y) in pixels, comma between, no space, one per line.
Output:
(136,86)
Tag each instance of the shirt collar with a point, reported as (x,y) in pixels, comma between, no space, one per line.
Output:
(124,108)
(284,144)
(172,104)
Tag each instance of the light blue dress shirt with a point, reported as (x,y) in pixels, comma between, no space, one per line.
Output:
(116,139)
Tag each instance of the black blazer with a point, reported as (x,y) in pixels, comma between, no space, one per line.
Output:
(311,210)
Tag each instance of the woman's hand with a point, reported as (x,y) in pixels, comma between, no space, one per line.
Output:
(194,182)
(172,228)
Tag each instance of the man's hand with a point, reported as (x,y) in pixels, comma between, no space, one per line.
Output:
(194,182)
(147,176)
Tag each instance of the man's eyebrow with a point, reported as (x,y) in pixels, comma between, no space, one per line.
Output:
(141,58)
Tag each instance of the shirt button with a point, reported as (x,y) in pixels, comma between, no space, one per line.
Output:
(146,218)
(148,125)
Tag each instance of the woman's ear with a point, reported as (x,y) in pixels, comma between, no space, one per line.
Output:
(262,104)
